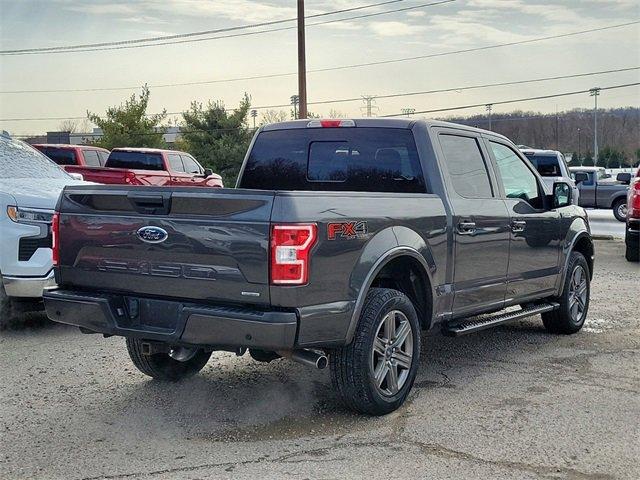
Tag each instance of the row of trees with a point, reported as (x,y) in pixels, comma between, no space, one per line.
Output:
(219,137)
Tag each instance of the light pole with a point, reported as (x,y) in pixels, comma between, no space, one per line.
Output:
(294,102)
(254,114)
(579,156)
(302,66)
(489,107)
(594,92)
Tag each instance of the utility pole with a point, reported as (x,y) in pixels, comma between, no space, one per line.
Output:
(369,100)
(294,102)
(302,64)
(254,114)
(557,134)
(489,107)
(594,92)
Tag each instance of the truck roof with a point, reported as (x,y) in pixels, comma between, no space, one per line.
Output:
(539,151)
(407,123)
(145,150)
(69,145)
(586,169)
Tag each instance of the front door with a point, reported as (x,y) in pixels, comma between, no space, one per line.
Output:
(480,224)
(587,191)
(535,231)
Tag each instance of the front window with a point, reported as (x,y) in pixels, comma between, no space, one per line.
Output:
(19,160)
(518,181)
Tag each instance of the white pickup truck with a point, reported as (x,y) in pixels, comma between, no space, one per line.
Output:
(30,184)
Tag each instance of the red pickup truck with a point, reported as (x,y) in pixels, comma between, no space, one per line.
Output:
(70,156)
(140,166)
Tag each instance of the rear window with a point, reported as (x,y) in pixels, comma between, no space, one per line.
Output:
(547,165)
(62,156)
(344,159)
(135,160)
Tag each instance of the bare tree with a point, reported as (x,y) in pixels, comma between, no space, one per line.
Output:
(273,116)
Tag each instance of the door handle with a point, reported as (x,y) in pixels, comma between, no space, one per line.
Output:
(517,226)
(466,228)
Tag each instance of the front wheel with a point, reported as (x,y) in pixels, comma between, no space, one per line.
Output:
(375,372)
(163,366)
(574,301)
(620,210)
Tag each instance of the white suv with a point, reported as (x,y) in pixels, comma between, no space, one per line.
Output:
(30,184)
(552,166)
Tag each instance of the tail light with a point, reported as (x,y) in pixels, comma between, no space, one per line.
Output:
(634,199)
(290,248)
(331,123)
(55,238)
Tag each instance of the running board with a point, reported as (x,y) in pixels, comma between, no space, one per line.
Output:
(481,322)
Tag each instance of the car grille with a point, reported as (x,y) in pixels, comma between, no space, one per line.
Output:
(29,245)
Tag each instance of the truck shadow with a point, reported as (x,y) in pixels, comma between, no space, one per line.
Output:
(241,400)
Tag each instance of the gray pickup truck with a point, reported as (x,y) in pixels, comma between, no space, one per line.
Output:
(342,241)
(599,190)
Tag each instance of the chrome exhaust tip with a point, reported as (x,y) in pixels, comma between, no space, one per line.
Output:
(309,358)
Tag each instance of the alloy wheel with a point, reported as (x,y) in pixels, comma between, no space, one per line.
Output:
(392,353)
(578,294)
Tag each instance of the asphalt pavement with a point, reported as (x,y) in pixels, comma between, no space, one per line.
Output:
(510,403)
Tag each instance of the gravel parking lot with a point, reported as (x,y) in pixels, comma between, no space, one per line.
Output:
(513,402)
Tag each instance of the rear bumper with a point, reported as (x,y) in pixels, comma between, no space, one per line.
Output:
(171,321)
(28,287)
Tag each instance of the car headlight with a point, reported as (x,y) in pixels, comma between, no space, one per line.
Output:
(28,215)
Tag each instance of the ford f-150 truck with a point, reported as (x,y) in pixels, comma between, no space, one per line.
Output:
(599,190)
(342,241)
(137,166)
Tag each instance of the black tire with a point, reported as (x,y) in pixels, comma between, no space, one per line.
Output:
(561,320)
(618,210)
(352,369)
(161,366)
(632,254)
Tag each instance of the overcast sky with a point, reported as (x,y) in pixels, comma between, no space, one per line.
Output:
(422,31)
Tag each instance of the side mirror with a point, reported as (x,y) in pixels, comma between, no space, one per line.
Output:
(561,194)
(208,172)
(76,176)
(580,177)
(624,178)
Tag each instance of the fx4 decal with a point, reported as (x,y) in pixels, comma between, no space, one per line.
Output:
(346,230)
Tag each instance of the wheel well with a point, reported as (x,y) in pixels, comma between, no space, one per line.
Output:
(585,247)
(407,275)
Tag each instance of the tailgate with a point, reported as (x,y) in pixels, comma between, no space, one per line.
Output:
(166,242)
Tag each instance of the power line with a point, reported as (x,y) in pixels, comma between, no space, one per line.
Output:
(339,67)
(517,100)
(191,34)
(392,95)
(233,35)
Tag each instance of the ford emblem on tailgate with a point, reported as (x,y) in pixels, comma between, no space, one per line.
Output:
(152,234)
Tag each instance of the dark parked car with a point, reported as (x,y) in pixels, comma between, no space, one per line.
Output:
(343,240)
(599,190)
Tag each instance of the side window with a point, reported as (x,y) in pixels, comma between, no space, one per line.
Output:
(466,166)
(190,165)
(102,156)
(175,163)
(518,181)
(91,158)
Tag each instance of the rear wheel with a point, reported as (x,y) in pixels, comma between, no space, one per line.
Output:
(375,372)
(620,210)
(574,301)
(164,366)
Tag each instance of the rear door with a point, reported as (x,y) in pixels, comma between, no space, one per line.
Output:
(480,223)
(166,242)
(535,231)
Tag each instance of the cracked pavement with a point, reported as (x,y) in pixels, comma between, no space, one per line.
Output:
(512,402)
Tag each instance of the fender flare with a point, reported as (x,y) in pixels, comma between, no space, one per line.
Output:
(571,246)
(384,259)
